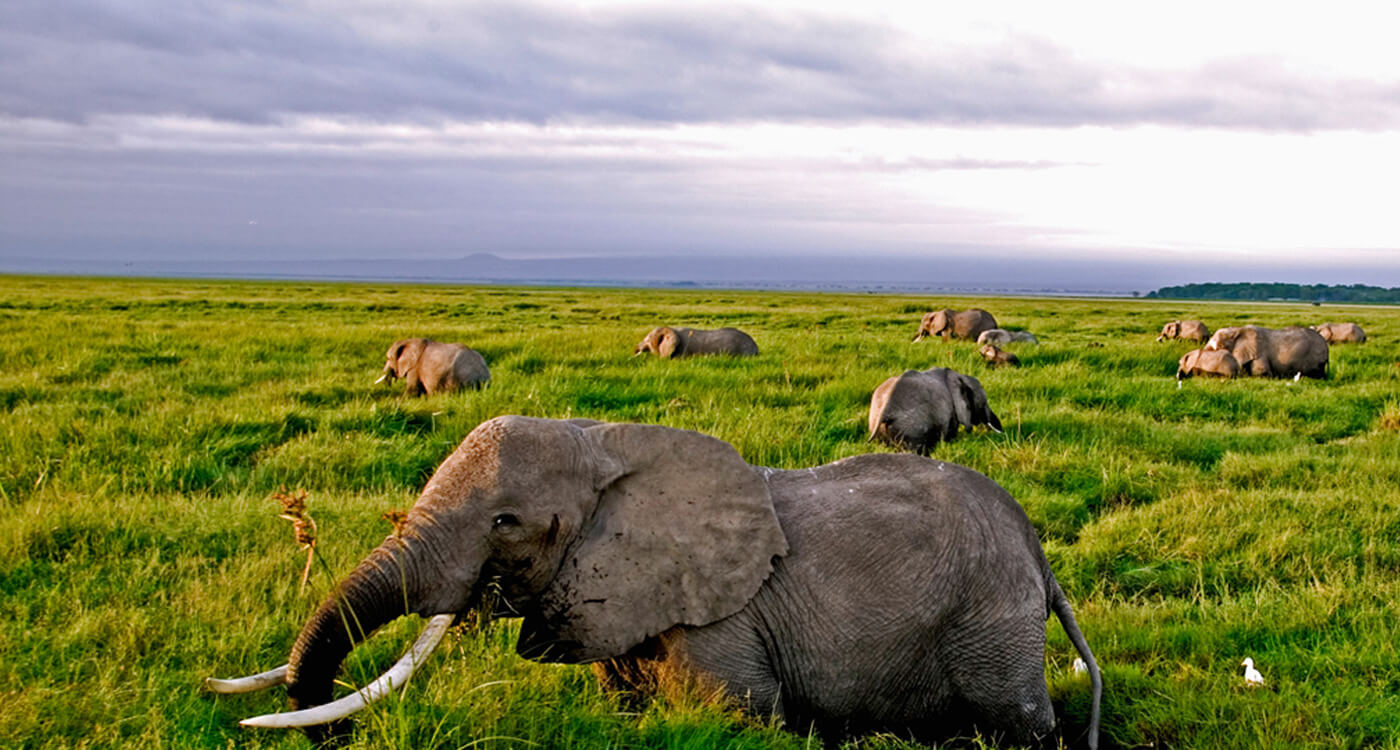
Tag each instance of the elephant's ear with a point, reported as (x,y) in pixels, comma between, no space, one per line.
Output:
(684,534)
(668,344)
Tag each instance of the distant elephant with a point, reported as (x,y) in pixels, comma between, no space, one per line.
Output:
(1341,333)
(1221,364)
(883,591)
(1191,330)
(673,343)
(1278,353)
(1003,336)
(998,358)
(960,324)
(429,367)
(917,410)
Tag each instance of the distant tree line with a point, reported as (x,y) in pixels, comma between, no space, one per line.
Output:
(1279,291)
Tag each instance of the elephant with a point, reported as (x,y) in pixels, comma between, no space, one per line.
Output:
(1003,336)
(672,343)
(429,367)
(1219,363)
(916,410)
(1191,330)
(1341,333)
(961,324)
(1268,352)
(880,592)
(997,358)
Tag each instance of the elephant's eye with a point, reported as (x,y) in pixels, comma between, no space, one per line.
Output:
(505,519)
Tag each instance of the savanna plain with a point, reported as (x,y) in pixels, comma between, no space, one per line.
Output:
(147,426)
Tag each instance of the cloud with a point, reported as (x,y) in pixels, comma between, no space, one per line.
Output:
(426,62)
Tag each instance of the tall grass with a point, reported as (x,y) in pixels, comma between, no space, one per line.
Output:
(147,424)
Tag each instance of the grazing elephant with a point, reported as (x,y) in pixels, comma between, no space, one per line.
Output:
(1191,330)
(1003,336)
(997,358)
(916,410)
(672,343)
(429,367)
(1206,362)
(879,591)
(1341,333)
(1278,353)
(960,324)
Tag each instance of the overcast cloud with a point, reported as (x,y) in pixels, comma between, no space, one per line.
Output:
(438,129)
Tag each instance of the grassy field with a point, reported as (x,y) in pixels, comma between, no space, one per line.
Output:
(146,425)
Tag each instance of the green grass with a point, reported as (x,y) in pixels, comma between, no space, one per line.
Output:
(147,423)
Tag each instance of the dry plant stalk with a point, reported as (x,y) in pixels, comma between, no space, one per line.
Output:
(303,526)
(397,517)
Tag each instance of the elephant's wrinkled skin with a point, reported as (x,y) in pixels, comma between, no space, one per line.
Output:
(917,410)
(1003,336)
(1206,362)
(958,324)
(429,367)
(880,591)
(672,343)
(1341,333)
(1191,330)
(1269,352)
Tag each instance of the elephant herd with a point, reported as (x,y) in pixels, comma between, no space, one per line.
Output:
(1293,352)
(882,592)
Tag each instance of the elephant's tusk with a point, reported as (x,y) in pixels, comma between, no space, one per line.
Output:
(247,684)
(395,677)
(382,378)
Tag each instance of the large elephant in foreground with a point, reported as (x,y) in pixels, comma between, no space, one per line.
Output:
(917,410)
(1191,330)
(667,342)
(883,591)
(429,367)
(1341,333)
(958,324)
(1269,352)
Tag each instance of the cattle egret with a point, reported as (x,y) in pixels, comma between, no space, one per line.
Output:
(1252,677)
(1079,666)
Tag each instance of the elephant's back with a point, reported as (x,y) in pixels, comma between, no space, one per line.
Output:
(969,324)
(722,341)
(469,367)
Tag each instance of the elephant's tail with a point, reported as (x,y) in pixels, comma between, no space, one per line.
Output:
(1060,605)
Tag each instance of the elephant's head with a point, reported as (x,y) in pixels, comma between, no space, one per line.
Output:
(662,341)
(1224,339)
(600,535)
(1171,330)
(401,358)
(936,323)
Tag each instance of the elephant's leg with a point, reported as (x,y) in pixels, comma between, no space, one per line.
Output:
(999,671)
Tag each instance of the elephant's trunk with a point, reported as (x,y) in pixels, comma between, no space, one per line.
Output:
(371,596)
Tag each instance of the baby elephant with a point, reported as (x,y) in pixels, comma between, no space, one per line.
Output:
(1207,362)
(996,357)
(1003,336)
(429,367)
(1341,333)
(673,343)
(917,410)
(1191,330)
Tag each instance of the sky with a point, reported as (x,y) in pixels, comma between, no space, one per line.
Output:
(1242,141)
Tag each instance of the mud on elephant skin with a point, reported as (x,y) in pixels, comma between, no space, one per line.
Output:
(958,324)
(917,410)
(1279,353)
(660,551)
(668,342)
(429,367)
(1191,330)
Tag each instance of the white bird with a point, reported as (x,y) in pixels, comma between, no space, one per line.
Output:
(1079,666)
(1252,677)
